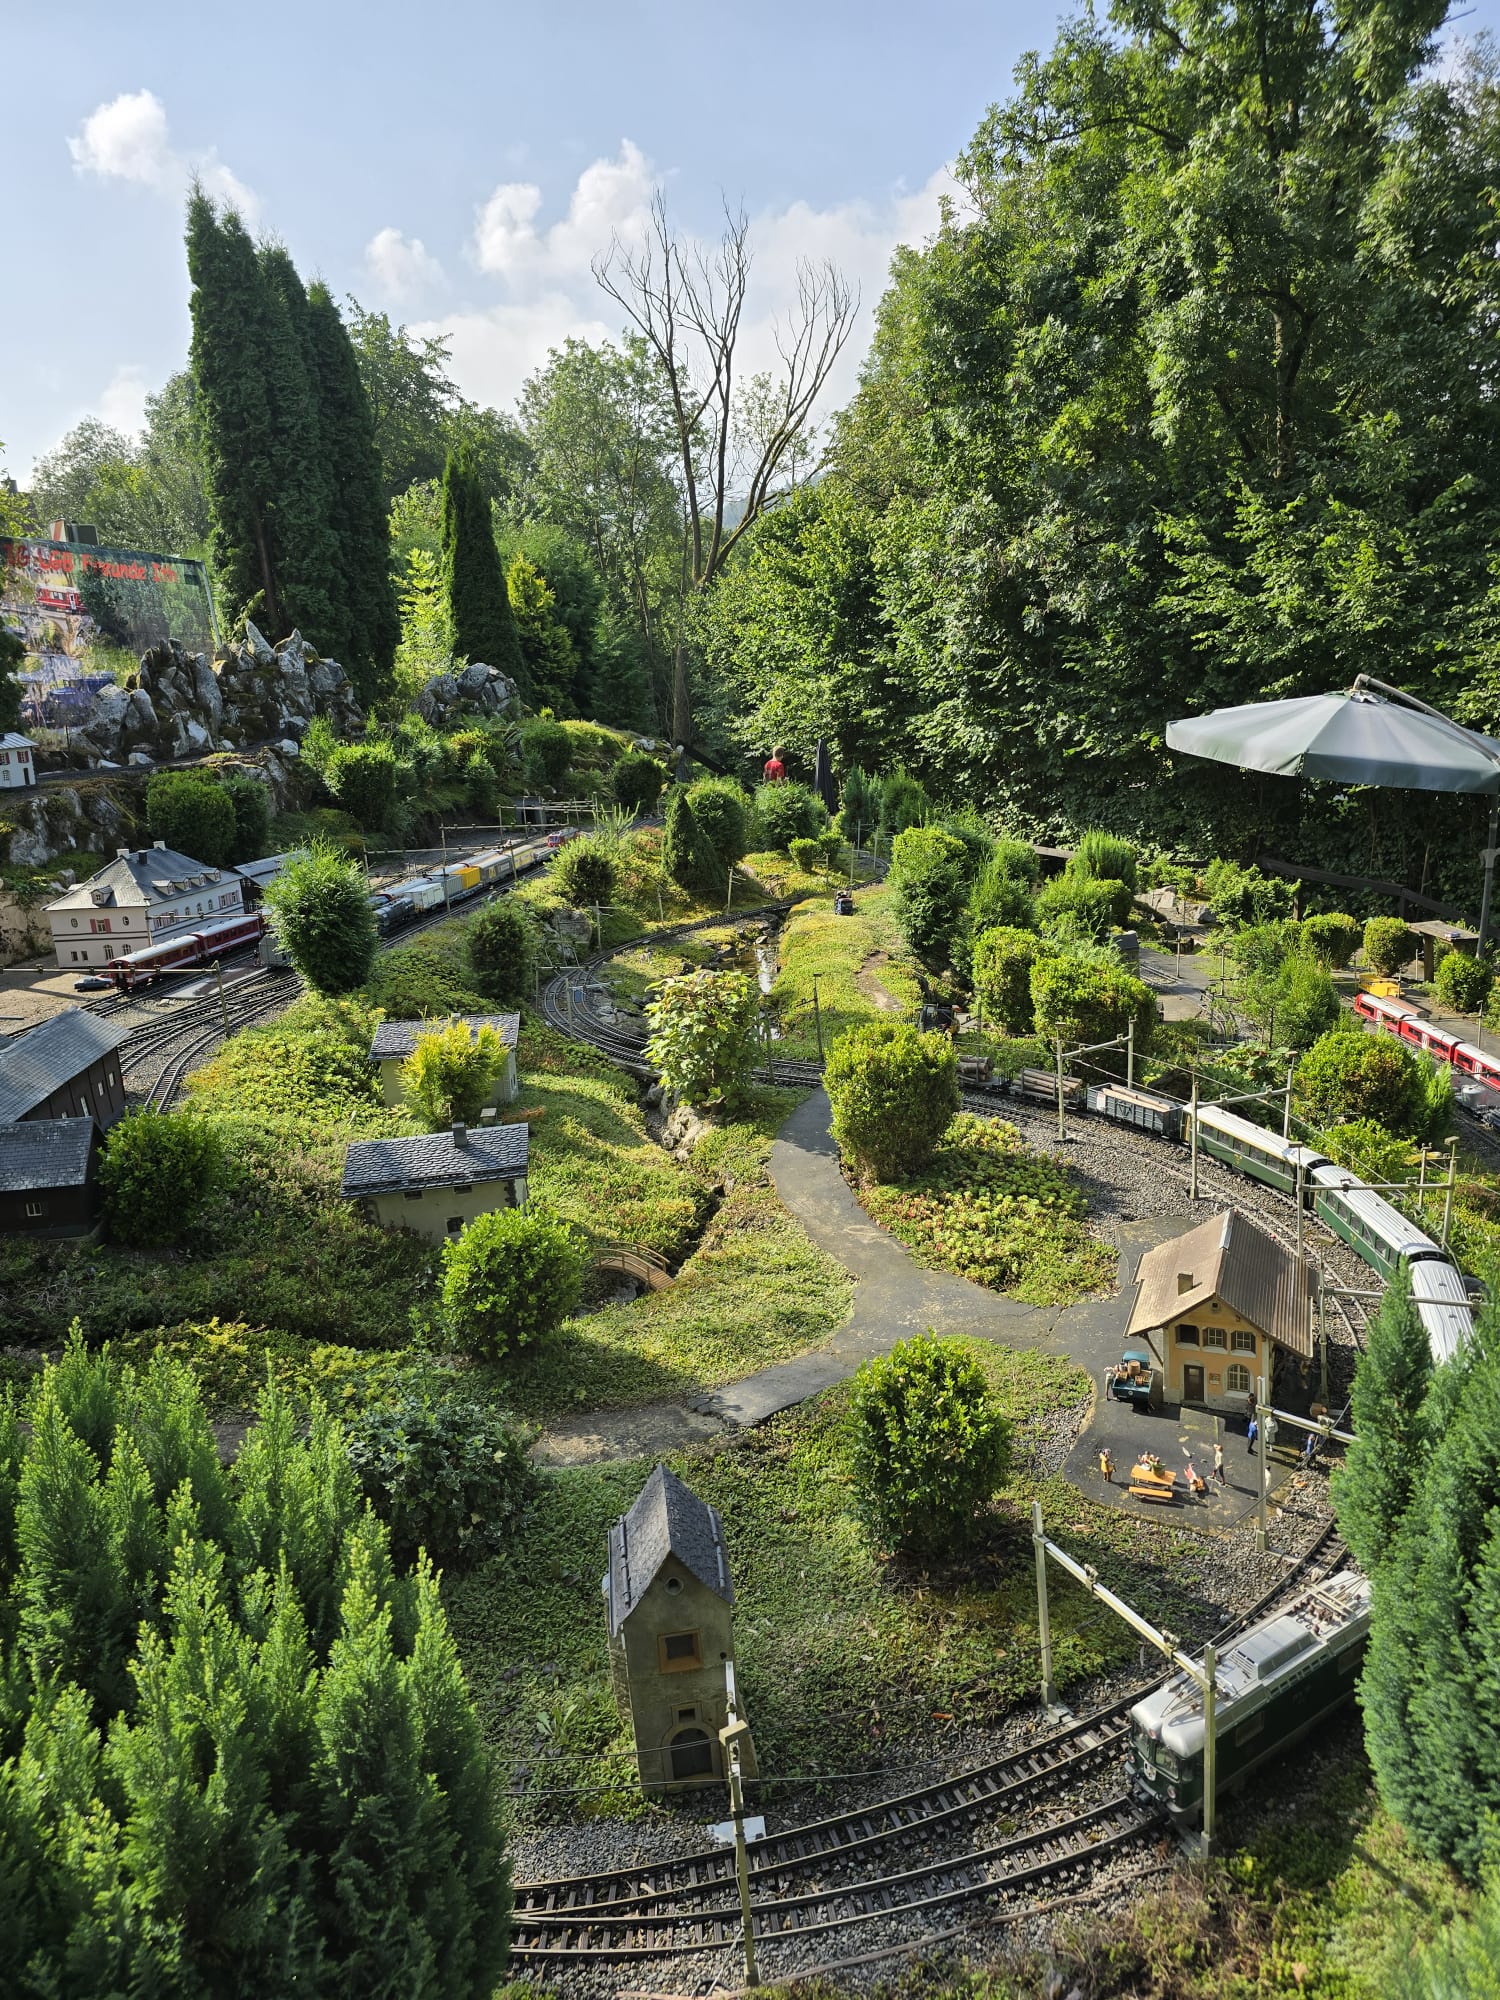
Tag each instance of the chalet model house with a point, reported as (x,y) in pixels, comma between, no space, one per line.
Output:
(139,898)
(66,1067)
(395,1040)
(438,1182)
(1220,1306)
(17,761)
(668,1601)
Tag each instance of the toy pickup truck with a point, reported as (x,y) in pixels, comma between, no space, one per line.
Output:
(1136,1379)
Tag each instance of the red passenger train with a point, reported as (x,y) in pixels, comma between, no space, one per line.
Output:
(186,948)
(1398,1017)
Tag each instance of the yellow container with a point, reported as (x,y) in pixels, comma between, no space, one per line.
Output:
(1383,989)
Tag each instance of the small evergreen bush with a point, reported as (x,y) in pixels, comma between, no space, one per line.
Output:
(1245,896)
(1388,945)
(810,856)
(686,854)
(787,812)
(546,752)
(929,1449)
(1082,1002)
(894,1093)
(251,801)
(509,1280)
(320,910)
(451,1073)
(722,810)
(1103,857)
(193,816)
(930,880)
(703,1032)
(1002,962)
(451,1478)
(1463,983)
(1083,907)
(500,946)
(362,777)
(636,781)
(583,872)
(1331,938)
(902,803)
(159,1170)
(1346,1077)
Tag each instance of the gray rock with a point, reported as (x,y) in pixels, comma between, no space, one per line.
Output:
(257,646)
(289,748)
(140,757)
(474,680)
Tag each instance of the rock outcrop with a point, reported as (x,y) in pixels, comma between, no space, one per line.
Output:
(182,705)
(478,690)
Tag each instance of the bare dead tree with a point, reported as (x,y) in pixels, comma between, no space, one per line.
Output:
(688,303)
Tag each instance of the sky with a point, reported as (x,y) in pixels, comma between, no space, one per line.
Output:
(458,166)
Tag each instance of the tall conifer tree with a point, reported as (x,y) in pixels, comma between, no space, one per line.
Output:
(478,603)
(1374,1488)
(312,598)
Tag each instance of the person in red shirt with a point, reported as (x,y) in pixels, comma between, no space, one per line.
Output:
(775,770)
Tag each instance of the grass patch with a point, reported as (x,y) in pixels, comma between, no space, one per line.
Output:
(864,971)
(988,1208)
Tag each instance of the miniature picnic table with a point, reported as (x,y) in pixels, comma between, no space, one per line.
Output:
(1146,1483)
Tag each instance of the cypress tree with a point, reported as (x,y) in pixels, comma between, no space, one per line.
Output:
(306,549)
(1373,1489)
(478,604)
(686,853)
(356,500)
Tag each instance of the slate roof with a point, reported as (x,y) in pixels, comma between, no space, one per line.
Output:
(140,879)
(397,1039)
(45,1153)
(436,1160)
(1230,1258)
(46,1057)
(10,741)
(668,1519)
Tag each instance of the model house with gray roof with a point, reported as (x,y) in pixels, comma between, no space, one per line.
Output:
(66,1067)
(142,896)
(396,1040)
(438,1182)
(48,1170)
(669,1603)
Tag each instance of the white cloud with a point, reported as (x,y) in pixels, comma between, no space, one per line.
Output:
(402,266)
(122,405)
(128,139)
(551,293)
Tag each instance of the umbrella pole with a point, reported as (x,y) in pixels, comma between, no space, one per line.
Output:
(1489,877)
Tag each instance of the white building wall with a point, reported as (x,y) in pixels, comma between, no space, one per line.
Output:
(395,1094)
(92,937)
(16,769)
(431,1212)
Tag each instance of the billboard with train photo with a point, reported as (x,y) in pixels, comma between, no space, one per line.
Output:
(86,613)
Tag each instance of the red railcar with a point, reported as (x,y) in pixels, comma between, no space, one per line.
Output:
(187,948)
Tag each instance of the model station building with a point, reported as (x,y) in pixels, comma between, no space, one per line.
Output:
(142,896)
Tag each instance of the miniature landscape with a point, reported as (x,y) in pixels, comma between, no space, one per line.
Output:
(741,1246)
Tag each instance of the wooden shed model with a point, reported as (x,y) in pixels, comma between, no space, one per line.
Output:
(669,1598)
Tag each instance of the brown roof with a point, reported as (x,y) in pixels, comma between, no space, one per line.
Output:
(1232,1259)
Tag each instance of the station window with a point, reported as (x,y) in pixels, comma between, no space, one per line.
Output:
(1213,1336)
(455,1225)
(1187,1336)
(1237,1378)
(679,1652)
(35,1209)
(1242,1340)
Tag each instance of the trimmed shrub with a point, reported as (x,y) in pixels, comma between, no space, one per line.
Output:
(997,900)
(1463,983)
(320,909)
(451,1073)
(1245,896)
(787,812)
(452,1480)
(977,839)
(929,877)
(509,1280)
(808,855)
(251,801)
(1082,1002)
(929,1449)
(1085,908)
(192,815)
(1261,950)
(1346,1077)
(703,1029)
(722,810)
(1331,938)
(1002,962)
(1103,857)
(637,781)
(362,777)
(546,752)
(894,1093)
(686,855)
(158,1171)
(1018,860)
(500,947)
(1307,1003)
(1388,945)
(583,872)
(902,803)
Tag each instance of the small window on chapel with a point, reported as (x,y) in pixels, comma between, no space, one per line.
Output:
(1187,1336)
(1242,1341)
(680,1652)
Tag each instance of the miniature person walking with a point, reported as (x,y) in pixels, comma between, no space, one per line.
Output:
(775,771)
(1219,1472)
(1309,1450)
(1106,1465)
(1251,1435)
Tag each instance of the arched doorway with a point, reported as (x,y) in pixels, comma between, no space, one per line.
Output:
(692,1755)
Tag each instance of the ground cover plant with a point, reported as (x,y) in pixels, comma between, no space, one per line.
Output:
(989,1209)
(863,969)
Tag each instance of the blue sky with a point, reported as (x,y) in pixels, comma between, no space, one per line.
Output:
(458,165)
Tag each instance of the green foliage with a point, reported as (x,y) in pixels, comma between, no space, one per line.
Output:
(1388,945)
(451,1073)
(1373,1487)
(584,873)
(320,909)
(1346,1077)
(509,1280)
(1245,896)
(1463,983)
(686,853)
(722,811)
(252,815)
(193,816)
(928,1448)
(1103,857)
(894,1092)
(992,1211)
(999,899)
(1002,962)
(703,1032)
(1367,1149)
(452,1478)
(479,613)
(1018,860)
(551,659)
(787,812)
(158,1171)
(1082,1002)
(1331,938)
(1079,907)
(1295,1006)
(903,803)
(637,780)
(930,878)
(500,949)
(1261,950)
(546,752)
(243,1756)
(362,777)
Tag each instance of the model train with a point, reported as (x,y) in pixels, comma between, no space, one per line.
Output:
(185,949)
(1271,1686)
(1399,1017)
